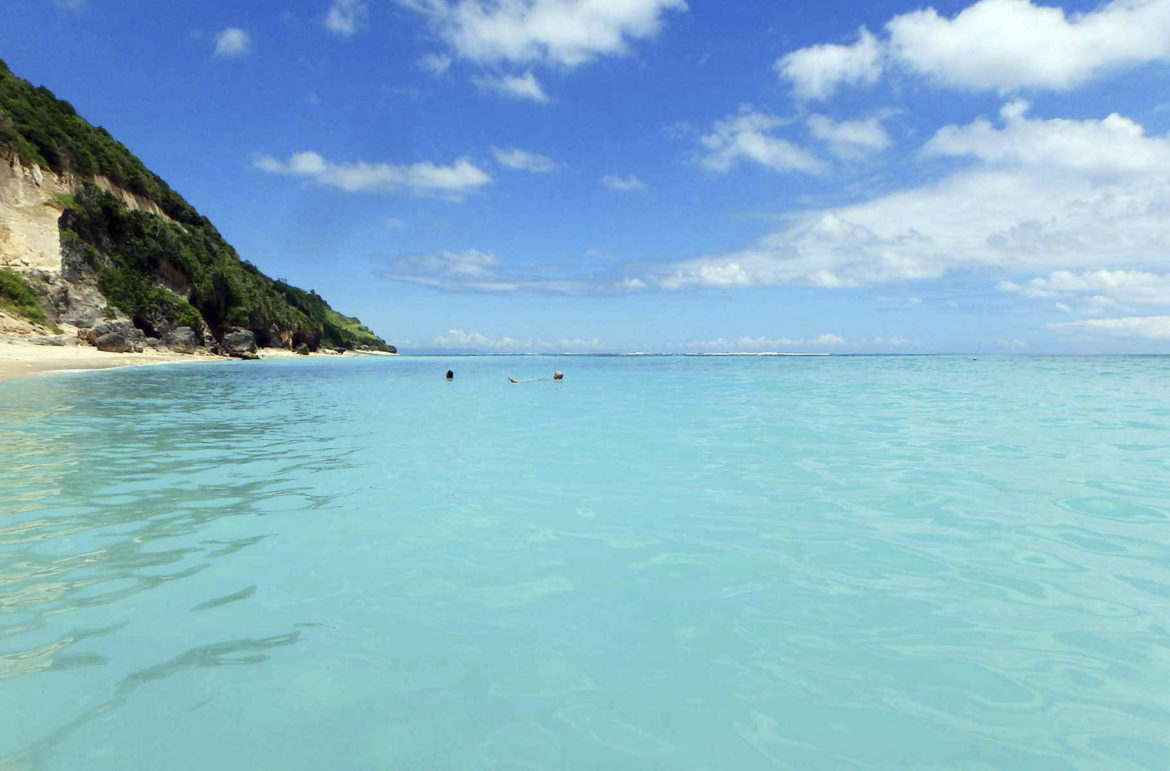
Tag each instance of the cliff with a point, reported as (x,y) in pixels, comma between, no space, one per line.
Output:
(107,248)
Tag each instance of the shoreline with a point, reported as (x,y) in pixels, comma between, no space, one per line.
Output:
(20,359)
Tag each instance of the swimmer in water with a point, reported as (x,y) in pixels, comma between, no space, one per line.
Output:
(558,375)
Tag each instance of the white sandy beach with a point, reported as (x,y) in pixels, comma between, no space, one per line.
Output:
(20,358)
(23,358)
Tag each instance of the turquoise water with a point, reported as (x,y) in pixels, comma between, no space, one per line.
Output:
(660,563)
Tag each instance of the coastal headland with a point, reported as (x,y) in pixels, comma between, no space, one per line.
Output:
(101,261)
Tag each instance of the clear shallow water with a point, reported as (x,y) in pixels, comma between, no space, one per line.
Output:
(707,563)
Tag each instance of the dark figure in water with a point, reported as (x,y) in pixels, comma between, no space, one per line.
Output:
(450,375)
(558,375)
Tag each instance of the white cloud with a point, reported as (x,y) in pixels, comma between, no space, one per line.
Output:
(762,343)
(1146,327)
(993,45)
(457,338)
(346,17)
(1026,206)
(745,136)
(893,342)
(395,222)
(849,138)
(522,87)
(558,32)
(476,271)
(1107,287)
(436,64)
(470,264)
(625,184)
(522,160)
(1006,45)
(817,71)
(450,183)
(1116,144)
(232,43)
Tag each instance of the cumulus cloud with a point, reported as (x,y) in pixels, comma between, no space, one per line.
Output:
(849,138)
(425,179)
(459,339)
(1114,145)
(624,184)
(992,45)
(558,32)
(1144,327)
(746,136)
(817,71)
(1005,45)
(1026,205)
(346,17)
(522,87)
(232,43)
(504,35)
(522,160)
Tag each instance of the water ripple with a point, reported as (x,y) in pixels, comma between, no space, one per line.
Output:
(843,563)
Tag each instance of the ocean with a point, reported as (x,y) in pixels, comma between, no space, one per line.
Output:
(659,563)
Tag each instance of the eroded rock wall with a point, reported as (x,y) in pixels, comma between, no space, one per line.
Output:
(29,210)
(29,237)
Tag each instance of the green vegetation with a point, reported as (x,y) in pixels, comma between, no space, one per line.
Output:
(160,273)
(65,200)
(134,254)
(47,131)
(19,299)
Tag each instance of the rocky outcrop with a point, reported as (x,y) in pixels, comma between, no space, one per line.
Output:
(239,343)
(182,340)
(114,342)
(133,201)
(114,336)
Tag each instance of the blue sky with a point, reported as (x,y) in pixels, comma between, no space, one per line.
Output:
(659,175)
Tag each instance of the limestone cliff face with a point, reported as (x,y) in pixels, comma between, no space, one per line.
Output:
(30,207)
(32,200)
(29,236)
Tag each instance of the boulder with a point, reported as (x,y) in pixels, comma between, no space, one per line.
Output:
(240,343)
(303,349)
(181,340)
(114,336)
(114,342)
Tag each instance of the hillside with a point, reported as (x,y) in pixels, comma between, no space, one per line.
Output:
(131,249)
